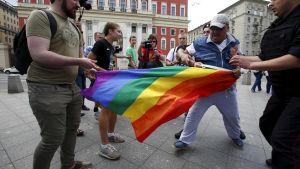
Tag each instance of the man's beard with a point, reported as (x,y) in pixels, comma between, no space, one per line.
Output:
(69,13)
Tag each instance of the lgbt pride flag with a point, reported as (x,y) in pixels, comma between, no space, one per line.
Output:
(151,97)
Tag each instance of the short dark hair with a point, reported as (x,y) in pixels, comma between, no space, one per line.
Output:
(131,37)
(108,26)
(52,1)
(206,26)
(152,36)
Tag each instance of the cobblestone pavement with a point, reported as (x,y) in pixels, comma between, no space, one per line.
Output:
(212,149)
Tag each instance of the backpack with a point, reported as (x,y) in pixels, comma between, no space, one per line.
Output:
(22,58)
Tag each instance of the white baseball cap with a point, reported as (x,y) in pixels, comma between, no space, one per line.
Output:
(220,20)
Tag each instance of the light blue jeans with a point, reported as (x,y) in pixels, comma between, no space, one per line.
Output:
(57,110)
(226,102)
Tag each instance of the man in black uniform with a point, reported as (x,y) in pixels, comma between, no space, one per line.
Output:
(280,55)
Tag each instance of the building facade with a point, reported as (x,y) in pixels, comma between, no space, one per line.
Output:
(165,18)
(9,25)
(248,21)
(197,32)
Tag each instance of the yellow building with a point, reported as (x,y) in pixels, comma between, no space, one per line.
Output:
(9,25)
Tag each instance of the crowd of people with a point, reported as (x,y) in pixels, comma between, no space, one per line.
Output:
(60,67)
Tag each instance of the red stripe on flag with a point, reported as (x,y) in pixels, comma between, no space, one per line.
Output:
(179,99)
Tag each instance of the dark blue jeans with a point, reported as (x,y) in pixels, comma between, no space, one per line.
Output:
(257,83)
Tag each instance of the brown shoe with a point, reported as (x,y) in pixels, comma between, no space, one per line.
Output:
(81,165)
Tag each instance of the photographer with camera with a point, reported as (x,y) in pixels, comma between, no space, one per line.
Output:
(149,55)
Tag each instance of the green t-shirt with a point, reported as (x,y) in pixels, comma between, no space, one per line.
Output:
(131,51)
(67,41)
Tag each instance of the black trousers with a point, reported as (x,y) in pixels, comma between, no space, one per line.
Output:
(280,125)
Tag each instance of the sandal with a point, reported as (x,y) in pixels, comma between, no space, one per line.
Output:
(79,132)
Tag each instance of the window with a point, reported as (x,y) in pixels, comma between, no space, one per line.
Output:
(173,9)
(172,43)
(163,31)
(144,29)
(182,10)
(123,5)
(249,19)
(89,40)
(89,25)
(164,9)
(26,1)
(144,5)
(133,5)
(101,4)
(154,8)
(154,30)
(39,2)
(112,5)
(182,31)
(133,28)
(163,43)
(173,32)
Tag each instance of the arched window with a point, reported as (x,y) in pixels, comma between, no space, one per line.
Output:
(144,5)
(172,43)
(112,5)
(133,5)
(101,4)
(123,5)
(163,43)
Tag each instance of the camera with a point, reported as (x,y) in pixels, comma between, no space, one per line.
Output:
(117,49)
(86,4)
(147,44)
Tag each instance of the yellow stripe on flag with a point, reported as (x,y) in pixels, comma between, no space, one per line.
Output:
(157,89)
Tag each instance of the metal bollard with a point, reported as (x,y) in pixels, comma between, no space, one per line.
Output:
(246,78)
(14,84)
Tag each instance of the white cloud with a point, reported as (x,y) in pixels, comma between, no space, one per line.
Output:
(201,11)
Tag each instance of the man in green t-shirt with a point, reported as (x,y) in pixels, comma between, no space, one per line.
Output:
(131,53)
(54,97)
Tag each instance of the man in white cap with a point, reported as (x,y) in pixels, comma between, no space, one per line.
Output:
(215,50)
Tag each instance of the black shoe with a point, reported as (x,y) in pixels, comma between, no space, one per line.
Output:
(269,162)
(96,109)
(85,108)
(242,135)
(177,135)
(82,114)
(79,132)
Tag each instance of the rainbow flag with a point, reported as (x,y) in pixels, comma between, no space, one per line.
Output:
(151,97)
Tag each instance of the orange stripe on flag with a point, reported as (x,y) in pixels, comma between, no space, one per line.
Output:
(171,104)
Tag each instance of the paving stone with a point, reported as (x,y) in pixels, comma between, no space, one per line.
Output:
(13,131)
(24,163)
(208,158)
(19,139)
(250,153)
(242,164)
(8,166)
(4,160)
(136,152)
(22,150)
(115,164)
(163,160)
(190,165)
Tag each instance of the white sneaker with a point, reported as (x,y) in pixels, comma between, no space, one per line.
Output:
(109,151)
(115,138)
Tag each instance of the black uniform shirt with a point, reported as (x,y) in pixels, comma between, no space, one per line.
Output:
(282,38)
